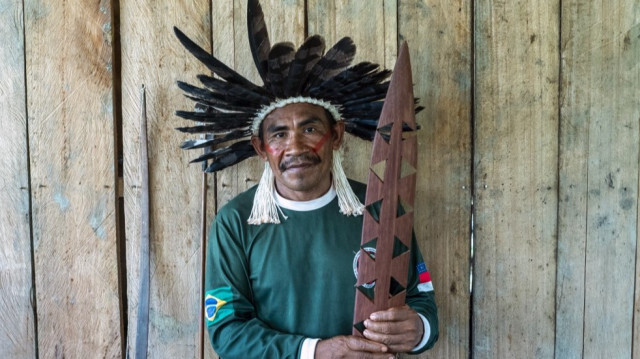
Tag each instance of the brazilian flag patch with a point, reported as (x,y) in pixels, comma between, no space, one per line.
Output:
(217,304)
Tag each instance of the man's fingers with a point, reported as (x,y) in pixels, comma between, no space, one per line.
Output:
(395,343)
(352,347)
(396,327)
(393,314)
(364,345)
(387,339)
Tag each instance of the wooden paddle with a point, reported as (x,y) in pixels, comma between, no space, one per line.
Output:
(388,221)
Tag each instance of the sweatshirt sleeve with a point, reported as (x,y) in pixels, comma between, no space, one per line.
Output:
(421,297)
(234,330)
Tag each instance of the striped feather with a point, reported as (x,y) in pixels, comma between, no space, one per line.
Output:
(333,62)
(306,57)
(216,97)
(215,65)
(280,58)
(258,38)
(233,90)
(342,79)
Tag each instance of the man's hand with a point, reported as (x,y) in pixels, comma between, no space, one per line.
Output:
(349,346)
(399,328)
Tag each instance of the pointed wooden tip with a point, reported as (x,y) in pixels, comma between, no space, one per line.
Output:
(399,100)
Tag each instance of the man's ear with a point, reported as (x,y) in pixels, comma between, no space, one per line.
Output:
(338,134)
(257,144)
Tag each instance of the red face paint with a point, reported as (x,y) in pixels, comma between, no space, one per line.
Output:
(322,141)
(270,149)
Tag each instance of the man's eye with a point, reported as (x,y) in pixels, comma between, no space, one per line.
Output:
(278,135)
(309,130)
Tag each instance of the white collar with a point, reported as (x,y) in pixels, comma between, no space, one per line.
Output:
(303,206)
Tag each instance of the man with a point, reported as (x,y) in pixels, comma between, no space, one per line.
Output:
(281,284)
(282,255)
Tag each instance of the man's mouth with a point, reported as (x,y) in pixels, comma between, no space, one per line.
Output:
(294,166)
(297,163)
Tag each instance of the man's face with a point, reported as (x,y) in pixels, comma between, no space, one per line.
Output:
(298,141)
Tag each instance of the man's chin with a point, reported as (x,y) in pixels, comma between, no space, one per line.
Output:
(298,182)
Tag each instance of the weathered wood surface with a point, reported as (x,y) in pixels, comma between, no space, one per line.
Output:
(555,166)
(69,91)
(151,55)
(17,324)
(439,37)
(599,146)
(515,173)
(223,29)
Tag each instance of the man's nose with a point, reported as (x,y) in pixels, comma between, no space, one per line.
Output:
(297,144)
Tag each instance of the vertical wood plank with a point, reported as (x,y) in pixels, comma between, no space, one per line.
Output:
(598,178)
(439,37)
(151,55)
(515,173)
(17,331)
(572,201)
(285,22)
(365,22)
(69,91)
(223,47)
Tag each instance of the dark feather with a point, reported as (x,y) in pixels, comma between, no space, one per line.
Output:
(230,159)
(355,87)
(306,57)
(361,132)
(333,62)
(216,97)
(218,152)
(235,118)
(258,38)
(218,106)
(227,156)
(209,142)
(368,94)
(365,110)
(365,82)
(215,65)
(280,58)
(340,80)
(221,126)
(367,123)
(233,90)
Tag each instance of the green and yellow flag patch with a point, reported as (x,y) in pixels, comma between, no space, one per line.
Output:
(217,304)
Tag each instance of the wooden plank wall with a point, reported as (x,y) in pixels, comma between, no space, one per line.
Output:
(68,54)
(515,165)
(17,325)
(439,36)
(531,132)
(151,56)
(598,212)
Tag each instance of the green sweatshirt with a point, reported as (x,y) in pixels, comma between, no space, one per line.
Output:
(270,286)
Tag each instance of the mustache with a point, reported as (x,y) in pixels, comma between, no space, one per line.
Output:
(303,159)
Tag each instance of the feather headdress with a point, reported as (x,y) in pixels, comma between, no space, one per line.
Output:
(230,109)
